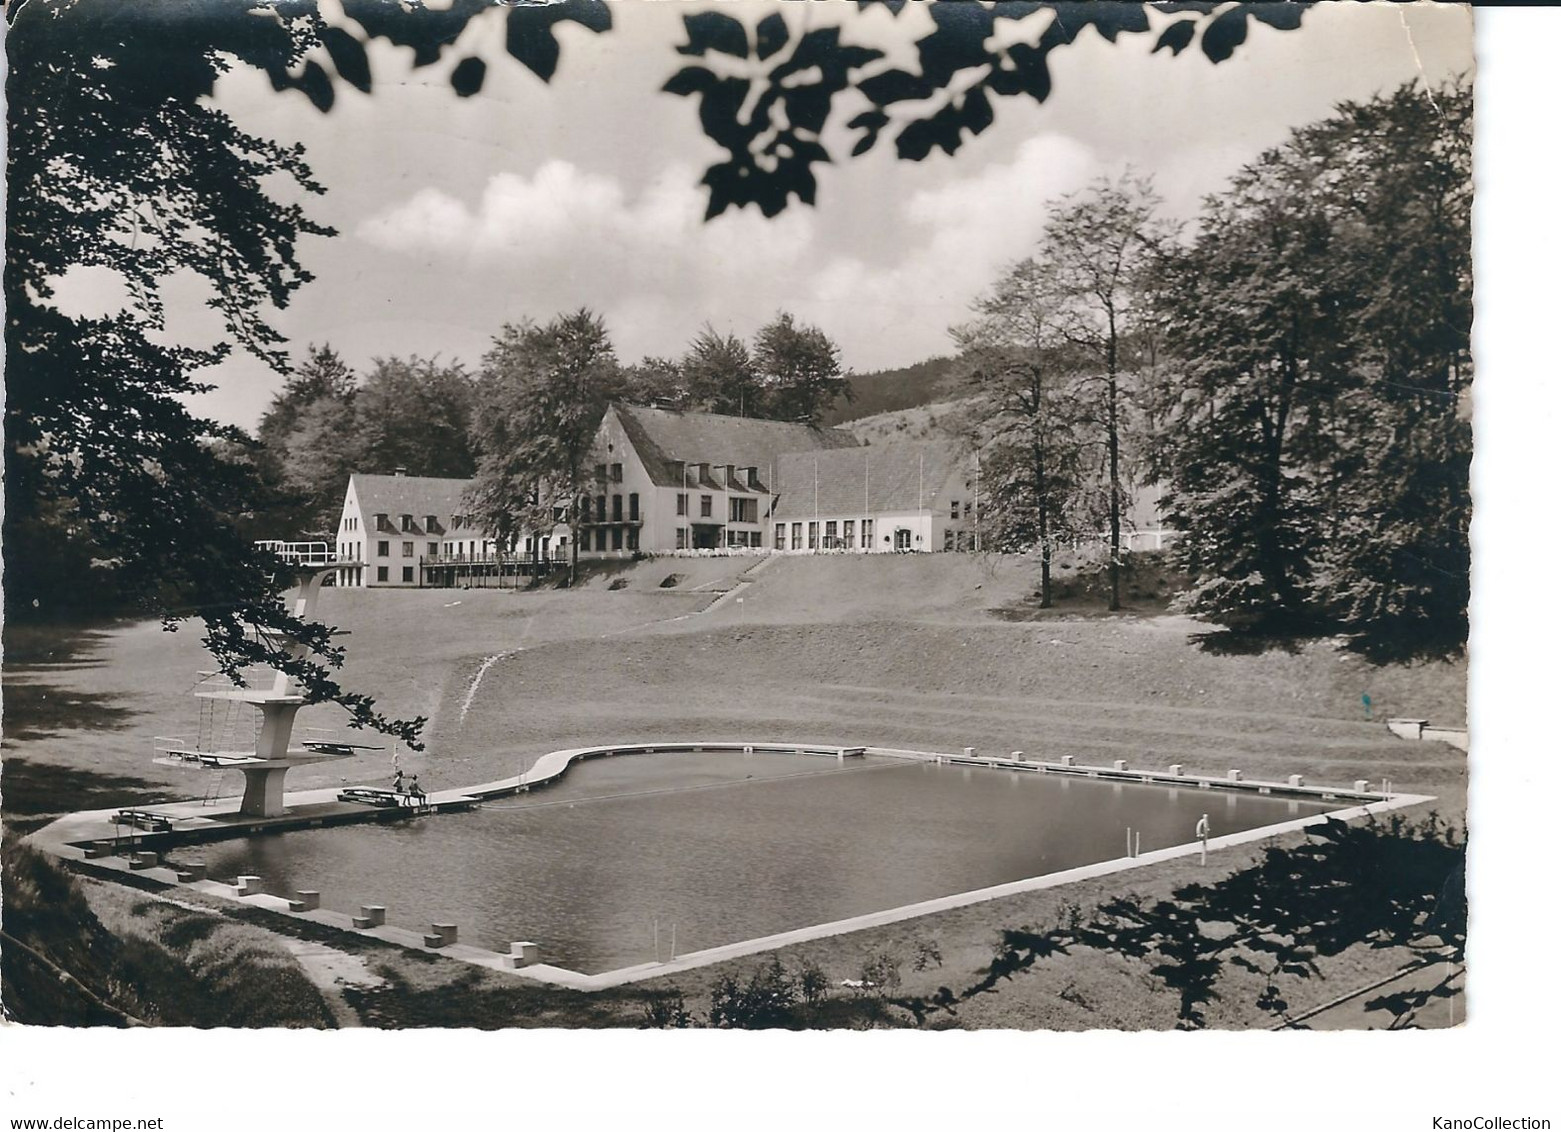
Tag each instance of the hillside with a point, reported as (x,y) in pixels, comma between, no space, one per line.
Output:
(883,391)
(920,422)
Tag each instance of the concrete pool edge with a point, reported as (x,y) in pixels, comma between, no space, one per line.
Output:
(63,838)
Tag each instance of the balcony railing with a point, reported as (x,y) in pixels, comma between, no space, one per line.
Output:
(518,558)
(299,553)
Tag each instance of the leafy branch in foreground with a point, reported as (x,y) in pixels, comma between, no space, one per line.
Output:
(122,165)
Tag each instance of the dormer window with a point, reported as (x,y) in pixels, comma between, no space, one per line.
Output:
(406,522)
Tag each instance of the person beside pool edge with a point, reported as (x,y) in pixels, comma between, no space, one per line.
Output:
(418,795)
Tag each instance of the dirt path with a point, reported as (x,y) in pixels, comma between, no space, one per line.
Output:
(330,969)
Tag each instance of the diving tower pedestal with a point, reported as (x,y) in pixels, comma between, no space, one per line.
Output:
(265,768)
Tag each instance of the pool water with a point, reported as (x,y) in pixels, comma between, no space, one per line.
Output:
(599,868)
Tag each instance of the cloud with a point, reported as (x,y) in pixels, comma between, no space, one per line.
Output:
(962,233)
(885,285)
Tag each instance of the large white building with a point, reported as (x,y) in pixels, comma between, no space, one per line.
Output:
(667,481)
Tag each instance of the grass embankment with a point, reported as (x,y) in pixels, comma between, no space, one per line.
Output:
(911,651)
(136,958)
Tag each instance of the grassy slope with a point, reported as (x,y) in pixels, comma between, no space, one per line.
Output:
(921,422)
(161,963)
(887,390)
(889,650)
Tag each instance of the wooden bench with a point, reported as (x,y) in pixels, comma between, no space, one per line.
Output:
(143,819)
(370,796)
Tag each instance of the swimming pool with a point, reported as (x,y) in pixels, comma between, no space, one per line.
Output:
(602,868)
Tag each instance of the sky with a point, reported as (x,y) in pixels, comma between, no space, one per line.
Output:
(458,215)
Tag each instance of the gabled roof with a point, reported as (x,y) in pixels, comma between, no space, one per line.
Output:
(665,439)
(418,496)
(901,477)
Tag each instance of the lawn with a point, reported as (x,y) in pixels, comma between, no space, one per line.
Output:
(913,651)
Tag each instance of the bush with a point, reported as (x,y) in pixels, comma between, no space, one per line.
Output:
(881,972)
(812,982)
(667,1012)
(928,954)
(767,1001)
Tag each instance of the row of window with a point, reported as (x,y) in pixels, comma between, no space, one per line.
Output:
(706,502)
(618,537)
(739,509)
(954,508)
(382,523)
(613,472)
(733,538)
(469,548)
(836,536)
(382,574)
(617,508)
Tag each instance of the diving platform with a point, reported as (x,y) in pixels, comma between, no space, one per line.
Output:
(226,760)
(255,696)
(277,705)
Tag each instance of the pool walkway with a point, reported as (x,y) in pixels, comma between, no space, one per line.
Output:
(94,839)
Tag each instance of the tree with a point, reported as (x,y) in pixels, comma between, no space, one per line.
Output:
(1314,448)
(322,376)
(1100,247)
(415,413)
(720,376)
(655,381)
(544,390)
(119,163)
(324,425)
(1023,415)
(799,370)
(308,441)
(1396,564)
(1253,317)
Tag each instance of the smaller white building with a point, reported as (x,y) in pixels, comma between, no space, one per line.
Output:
(412,531)
(901,497)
